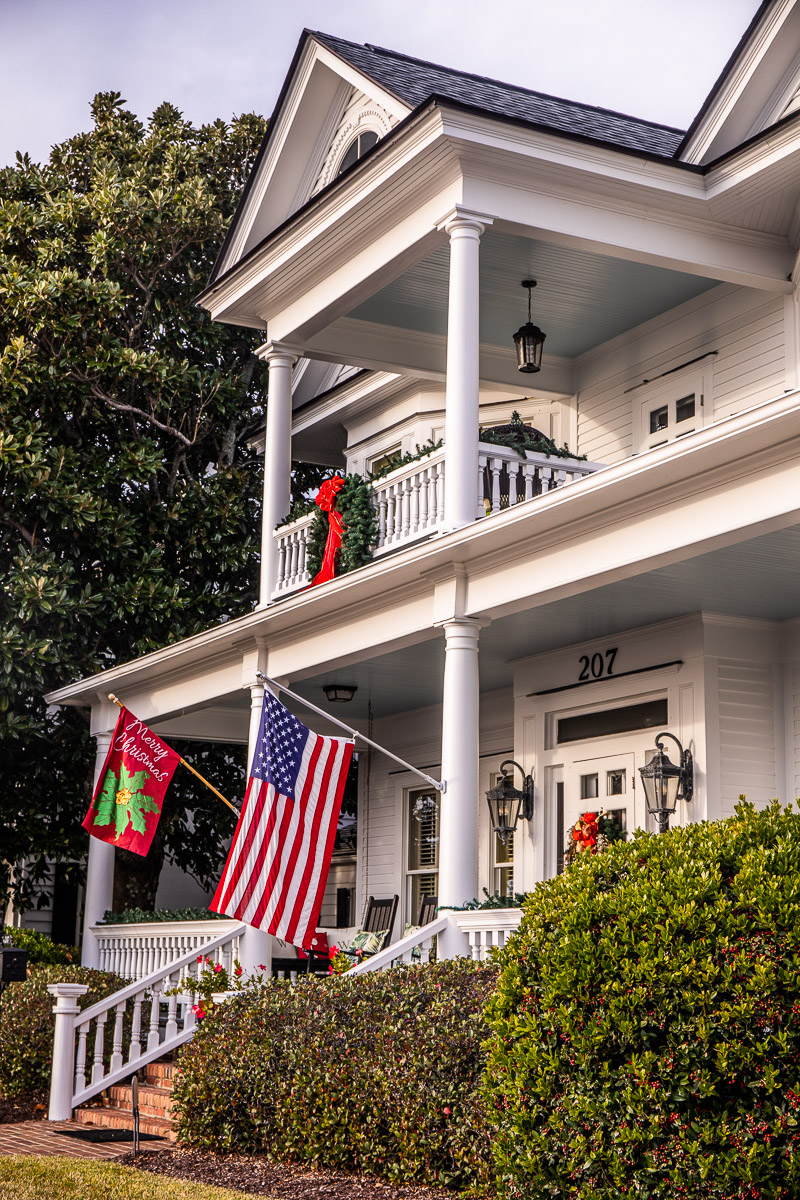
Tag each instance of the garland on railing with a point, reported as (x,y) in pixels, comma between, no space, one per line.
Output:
(137,916)
(353,503)
(393,461)
(521,437)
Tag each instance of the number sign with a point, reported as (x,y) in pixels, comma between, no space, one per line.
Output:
(597,665)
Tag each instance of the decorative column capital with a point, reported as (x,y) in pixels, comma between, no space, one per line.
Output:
(276,352)
(461,222)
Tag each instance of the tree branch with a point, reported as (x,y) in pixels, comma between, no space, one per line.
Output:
(139,412)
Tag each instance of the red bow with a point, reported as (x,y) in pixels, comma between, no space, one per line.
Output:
(326,500)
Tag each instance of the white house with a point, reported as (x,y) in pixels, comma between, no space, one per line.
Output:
(557,611)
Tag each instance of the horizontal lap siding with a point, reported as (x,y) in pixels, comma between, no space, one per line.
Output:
(748,368)
(796,729)
(747,732)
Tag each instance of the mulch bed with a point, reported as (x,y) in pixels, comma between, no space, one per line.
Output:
(259,1177)
(12,1111)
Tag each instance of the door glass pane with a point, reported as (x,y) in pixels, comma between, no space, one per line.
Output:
(659,418)
(615,783)
(684,409)
(504,881)
(423,830)
(589,787)
(620,818)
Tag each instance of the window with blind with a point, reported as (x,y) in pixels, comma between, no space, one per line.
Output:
(423,849)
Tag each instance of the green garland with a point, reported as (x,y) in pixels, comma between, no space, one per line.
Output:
(519,439)
(360,532)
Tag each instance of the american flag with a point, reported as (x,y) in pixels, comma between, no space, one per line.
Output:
(280,855)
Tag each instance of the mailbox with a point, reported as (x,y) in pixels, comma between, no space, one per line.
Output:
(13,965)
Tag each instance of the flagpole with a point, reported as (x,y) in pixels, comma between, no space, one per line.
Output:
(440,786)
(188,766)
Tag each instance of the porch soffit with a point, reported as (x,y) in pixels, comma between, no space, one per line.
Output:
(354,239)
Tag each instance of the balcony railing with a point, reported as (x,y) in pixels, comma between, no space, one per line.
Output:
(409,502)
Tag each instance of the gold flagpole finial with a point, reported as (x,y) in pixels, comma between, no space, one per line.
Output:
(114,699)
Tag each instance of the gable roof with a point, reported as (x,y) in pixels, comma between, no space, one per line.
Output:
(414,81)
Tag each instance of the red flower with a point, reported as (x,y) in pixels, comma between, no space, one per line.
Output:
(590,817)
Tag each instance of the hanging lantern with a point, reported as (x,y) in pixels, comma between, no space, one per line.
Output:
(665,783)
(529,339)
(506,802)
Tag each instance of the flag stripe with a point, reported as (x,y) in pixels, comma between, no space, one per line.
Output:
(279,859)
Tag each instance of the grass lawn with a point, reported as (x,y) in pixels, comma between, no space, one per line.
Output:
(43,1178)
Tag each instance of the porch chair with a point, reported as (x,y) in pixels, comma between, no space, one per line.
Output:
(427,910)
(380,914)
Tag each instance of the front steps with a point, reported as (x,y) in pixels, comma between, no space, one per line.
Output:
(155,1104)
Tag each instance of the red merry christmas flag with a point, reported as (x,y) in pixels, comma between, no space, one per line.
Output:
(130,791)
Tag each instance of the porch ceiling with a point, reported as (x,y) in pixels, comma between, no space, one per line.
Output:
(758,578)
(581,300)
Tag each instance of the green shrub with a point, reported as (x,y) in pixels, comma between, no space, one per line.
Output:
(378,1072)
(135,916)
(646,1032)
(27,1023)
(41,948)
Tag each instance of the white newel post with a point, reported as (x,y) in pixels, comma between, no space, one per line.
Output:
(62,1077)
(255,947)
(277,461)
(99,874)
(462,389)
(458,832)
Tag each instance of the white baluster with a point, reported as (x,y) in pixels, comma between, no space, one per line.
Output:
(382,519)
(135,1048)
(281,562)
(172,1013)
(529,471)
(97,1066)
(152,1036)
(513,471)
(80,1061)
(424,498)
(440,468)
(390,514)
(405,501)
(116,1051)
(415,481)
(481,510)
(546,477)
(496,466)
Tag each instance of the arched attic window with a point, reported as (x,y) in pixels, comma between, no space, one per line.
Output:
(359,146)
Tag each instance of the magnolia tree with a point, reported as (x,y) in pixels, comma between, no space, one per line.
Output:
(129,499)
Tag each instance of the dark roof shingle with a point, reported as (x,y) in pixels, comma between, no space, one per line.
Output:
(415,81)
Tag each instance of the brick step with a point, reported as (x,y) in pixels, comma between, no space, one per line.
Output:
(153,1101)
(119,1118)
(158,1074)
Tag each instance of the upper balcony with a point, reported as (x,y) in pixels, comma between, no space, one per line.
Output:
(409,502)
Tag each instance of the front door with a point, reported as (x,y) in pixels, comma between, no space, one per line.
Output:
(605,783)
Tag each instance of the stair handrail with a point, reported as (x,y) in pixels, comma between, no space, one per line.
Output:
(389,956)
(141,985)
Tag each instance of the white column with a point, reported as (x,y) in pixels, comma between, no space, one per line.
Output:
(277,460)
(62,1078)
(99,873)
(256,946)
(458,832)
(462,390)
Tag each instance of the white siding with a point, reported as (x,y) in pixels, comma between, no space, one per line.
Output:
(747,732)
(795,732)
(744,330)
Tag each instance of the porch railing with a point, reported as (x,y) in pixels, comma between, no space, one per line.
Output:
(409,502)
(135,951)
(143,1023)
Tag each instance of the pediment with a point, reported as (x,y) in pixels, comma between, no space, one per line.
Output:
(324,105)
(759,87)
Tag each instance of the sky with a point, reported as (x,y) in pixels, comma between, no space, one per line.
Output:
(656,59)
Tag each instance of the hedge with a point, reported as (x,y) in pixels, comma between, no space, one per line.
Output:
(380,1072)
(40,947)
(646,1024)
(27,1024)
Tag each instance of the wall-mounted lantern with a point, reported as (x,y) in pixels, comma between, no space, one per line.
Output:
(529,339)
(339,693)
(507,803)
(665,783)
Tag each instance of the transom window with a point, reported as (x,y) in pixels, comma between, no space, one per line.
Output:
(357,149)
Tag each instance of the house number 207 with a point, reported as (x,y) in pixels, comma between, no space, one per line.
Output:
(597,666)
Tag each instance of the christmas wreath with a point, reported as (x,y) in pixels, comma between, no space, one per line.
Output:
(345,511)
(591,833)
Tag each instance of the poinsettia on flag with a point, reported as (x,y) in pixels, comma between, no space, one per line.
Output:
(130,791)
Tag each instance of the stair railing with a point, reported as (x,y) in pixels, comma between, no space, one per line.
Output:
(158,1024)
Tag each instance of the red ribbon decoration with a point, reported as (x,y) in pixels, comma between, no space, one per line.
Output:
(326,500)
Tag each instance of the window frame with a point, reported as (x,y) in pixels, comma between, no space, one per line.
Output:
(667,392)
